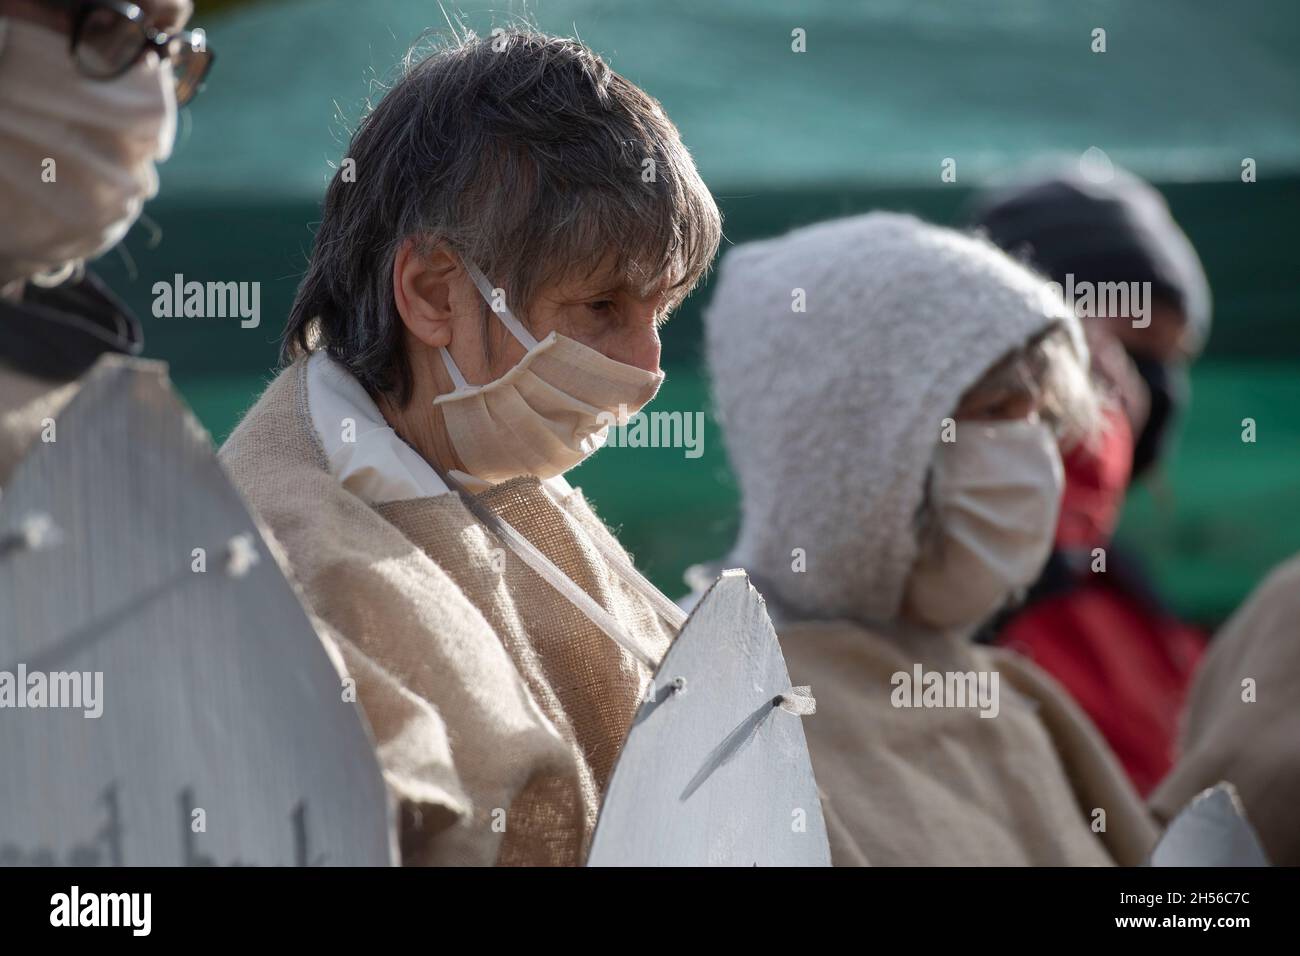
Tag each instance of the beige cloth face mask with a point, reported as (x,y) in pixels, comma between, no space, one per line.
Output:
(545,415)
(104,137)
(995,494)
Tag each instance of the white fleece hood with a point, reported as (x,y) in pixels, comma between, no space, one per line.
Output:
(832,415)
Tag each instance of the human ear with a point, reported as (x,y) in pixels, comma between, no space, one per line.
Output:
(422,291)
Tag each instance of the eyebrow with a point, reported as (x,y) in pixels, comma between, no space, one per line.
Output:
(620,287)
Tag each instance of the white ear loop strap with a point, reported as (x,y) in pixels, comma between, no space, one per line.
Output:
(515,327)
(488,292)
(672,615)
(452,369)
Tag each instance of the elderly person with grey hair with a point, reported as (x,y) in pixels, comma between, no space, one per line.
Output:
(896,444)
(512,224)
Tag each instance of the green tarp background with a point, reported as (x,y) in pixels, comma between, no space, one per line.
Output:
(862,120)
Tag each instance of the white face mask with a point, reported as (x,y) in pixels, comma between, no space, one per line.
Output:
(103,137)
(995,493)
(546,414)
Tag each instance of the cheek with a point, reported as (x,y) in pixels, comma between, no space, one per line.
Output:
(632,344)
(544,318)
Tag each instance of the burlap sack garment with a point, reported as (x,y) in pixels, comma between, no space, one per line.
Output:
(498,708)
(1250,740)
(946,787)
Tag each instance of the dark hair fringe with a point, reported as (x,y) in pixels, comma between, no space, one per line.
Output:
(526,153)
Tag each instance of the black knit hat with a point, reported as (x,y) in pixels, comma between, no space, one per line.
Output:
(1119,230)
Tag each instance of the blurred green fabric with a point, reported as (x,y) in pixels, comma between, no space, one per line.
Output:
(885,92)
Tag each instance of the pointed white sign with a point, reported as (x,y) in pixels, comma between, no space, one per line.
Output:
(715,770)
(1212,830)
(169,703)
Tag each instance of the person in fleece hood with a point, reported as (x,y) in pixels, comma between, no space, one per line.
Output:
(892,396)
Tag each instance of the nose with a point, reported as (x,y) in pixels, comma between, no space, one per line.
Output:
(644,351)
(638,340)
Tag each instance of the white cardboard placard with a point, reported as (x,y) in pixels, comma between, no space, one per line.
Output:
(224,736)
(1212,830)
(716,773)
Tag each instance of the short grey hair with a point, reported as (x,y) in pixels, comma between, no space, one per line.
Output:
(525,153)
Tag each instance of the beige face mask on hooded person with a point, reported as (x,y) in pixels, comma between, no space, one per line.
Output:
(545,415)
(103,137)
(995,494)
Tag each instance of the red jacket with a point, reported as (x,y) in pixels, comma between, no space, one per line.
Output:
(1127,666)
(1104,635)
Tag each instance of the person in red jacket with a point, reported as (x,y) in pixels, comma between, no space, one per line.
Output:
(1093,620)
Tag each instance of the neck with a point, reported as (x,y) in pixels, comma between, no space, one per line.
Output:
(419,423)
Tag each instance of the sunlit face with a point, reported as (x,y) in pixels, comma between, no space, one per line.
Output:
(599,311)
(441,308)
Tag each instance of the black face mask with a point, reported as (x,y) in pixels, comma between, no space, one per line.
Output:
(1167,387)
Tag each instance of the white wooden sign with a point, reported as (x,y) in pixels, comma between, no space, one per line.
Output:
(164,699)
(1212,830)
(715,770)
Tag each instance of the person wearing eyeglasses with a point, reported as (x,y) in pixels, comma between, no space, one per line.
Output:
(88,96)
